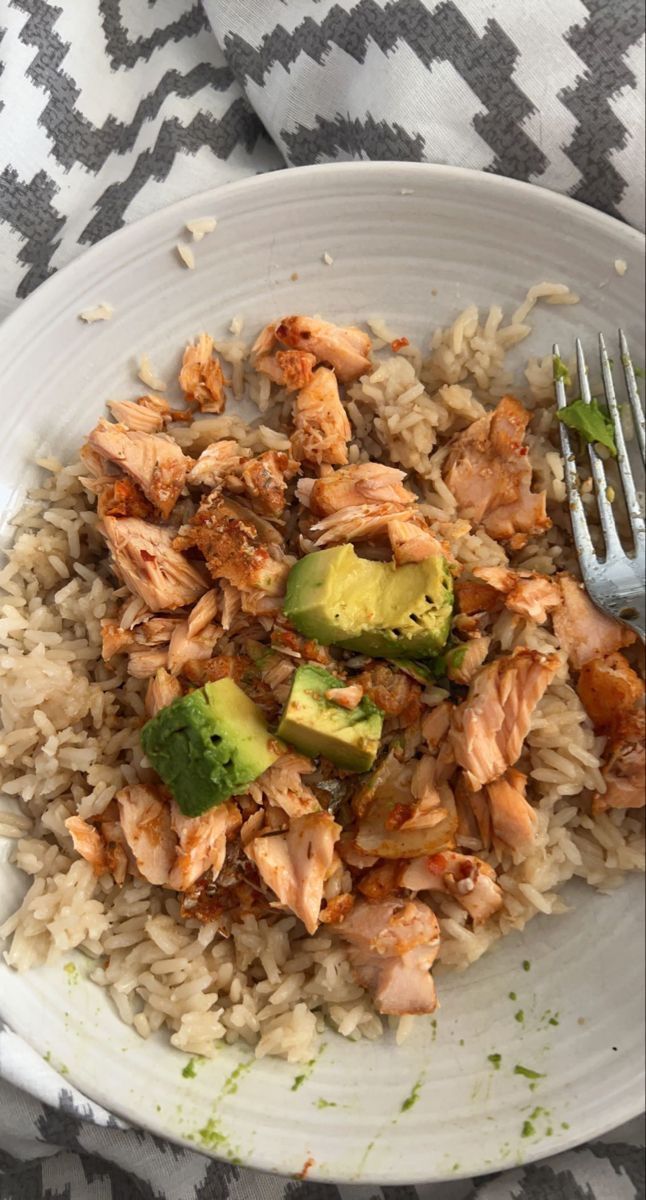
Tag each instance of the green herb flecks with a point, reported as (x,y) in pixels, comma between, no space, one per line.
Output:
(413,1097)
(527,1072)
(527,965)
(71,970)
(519,1016)
(321,1103)
(560,371)
(512,996)
(230,1085)
(527,1130)
(299,1080)
(591,421)
(189,1071)
(211,1135)
(495,1060)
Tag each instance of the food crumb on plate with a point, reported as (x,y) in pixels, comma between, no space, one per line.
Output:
(100,312)
(621,266)
(200,226)
(146,373)
(186,255)
(306,1168)
(327,258)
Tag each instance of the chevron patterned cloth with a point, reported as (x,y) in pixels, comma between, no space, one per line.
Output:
(112,108)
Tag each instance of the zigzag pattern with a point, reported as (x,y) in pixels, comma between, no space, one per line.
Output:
(101,164)
(36,208)
(601,43)
(239,125)
(444,34)
(359,139)
(73,137)
(125,53)
(28,208)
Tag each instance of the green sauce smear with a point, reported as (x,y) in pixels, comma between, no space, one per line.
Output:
(414,1095)
(527,1072)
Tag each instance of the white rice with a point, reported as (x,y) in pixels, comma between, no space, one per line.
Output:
(71,725)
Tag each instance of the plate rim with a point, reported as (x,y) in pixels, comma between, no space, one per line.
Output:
(552,200)
(71,275)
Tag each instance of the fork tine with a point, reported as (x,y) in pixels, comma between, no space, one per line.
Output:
(607,516)
(580,531)
(633,393)
(623,461)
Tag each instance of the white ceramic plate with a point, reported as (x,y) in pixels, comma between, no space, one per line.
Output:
(414,244)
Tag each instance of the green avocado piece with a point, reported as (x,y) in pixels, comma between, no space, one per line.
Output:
(209,745)
(315,725)
(376,608)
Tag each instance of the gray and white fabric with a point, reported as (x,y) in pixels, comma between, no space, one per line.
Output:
(110,109)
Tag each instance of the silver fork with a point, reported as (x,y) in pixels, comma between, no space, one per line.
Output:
(615,582)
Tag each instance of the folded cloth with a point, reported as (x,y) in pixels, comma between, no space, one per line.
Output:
(109,110)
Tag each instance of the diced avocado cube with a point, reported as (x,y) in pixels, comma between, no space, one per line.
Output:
(317,726)
(209,745)
(376,608)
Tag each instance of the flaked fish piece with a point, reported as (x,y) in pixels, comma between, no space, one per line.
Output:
(470,880)
(265,480)
(101,845)
(613,696)
(154,461)
(120,497)
(186,647)
(295,864)
(321,426)
(349,697)
(201,843)
(161,691)
(392,947)
(398,811)
(488,730)
(145,819)
(464,666)
(229,538)
(607,687)
(282,785)
(513,820)
(358,523)
(624,770)
(148,414)
(145,661)
(413,541)
(583,630)
(361,483)
(489,472)
(436,723)
(146,561)
(264,343)
(219,462)
(88,843)
(203,612)
(201,377)
(344,348)
(392,691)
(115,640)
(290,369)
(528,593)
(474,598)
